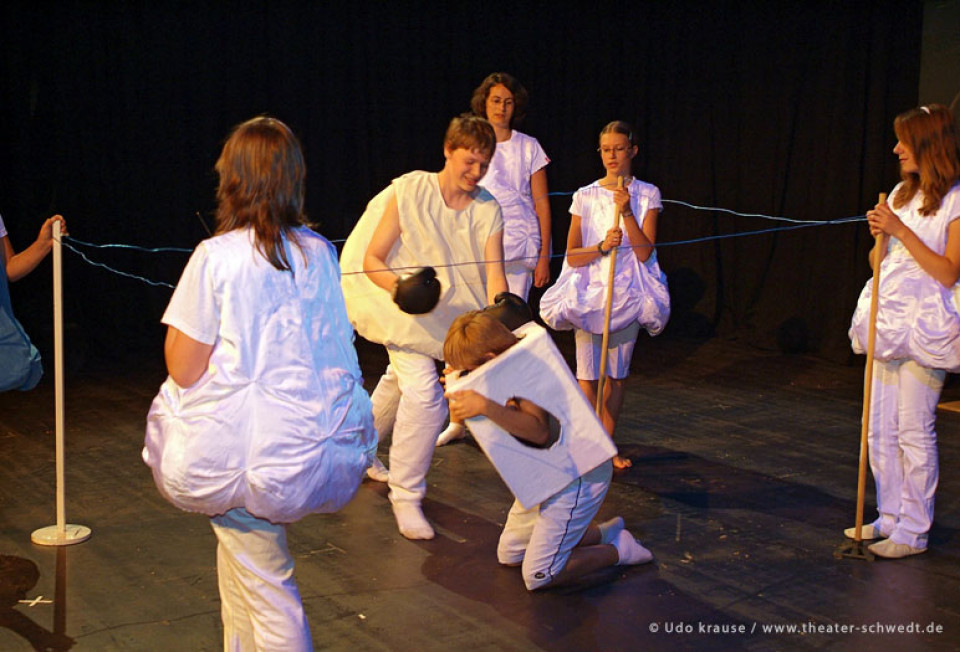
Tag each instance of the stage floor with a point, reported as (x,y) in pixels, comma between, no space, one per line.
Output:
(744,476)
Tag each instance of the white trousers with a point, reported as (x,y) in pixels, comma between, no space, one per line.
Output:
(260,603)
(519,279)
(903,448)
(409,401)
(543,538)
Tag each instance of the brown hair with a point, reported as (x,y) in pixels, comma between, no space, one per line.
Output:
(620,127)
(471,132)
(261,173)
(472,337)
(931,135)
(478,103)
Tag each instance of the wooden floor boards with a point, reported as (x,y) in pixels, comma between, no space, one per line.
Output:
(744,476)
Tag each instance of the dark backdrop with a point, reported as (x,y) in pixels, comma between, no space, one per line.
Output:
(114,113)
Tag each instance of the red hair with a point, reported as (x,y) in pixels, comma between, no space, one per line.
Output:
(931,135)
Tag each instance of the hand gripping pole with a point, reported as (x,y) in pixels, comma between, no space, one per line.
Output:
(606,317)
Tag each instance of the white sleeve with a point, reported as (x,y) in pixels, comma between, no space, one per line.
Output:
(194,309)
(655,201)
(576,207)
(3,229)
(539,158)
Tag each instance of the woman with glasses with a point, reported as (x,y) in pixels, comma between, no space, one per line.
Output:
(517,178)
(578,299)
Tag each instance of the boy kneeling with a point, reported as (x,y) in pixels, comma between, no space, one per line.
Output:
(554,541)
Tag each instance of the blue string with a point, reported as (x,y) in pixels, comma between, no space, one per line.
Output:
(150,250)
(117,271)
(843,220)
(795,224)
(802,225)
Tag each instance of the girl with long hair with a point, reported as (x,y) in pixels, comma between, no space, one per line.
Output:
(917,327)
(264,418)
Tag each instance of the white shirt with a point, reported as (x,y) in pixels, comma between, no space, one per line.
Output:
(508,179)
(431,234)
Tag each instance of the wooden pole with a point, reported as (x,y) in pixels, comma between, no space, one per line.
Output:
(606,316)
(58,375)
(868,379)
(60,534)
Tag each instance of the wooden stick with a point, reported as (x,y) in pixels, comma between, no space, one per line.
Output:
(58,377)
(606,317)
(63,533)
(868,379)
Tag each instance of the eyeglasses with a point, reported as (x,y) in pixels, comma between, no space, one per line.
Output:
(615,150)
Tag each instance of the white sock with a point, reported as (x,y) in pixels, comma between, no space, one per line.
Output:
(630,550)
(454,431)
(610,529)
(411,522)
(377,471)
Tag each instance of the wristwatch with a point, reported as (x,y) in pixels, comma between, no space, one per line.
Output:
(601,251)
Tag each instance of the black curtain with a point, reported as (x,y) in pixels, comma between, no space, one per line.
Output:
(114,113)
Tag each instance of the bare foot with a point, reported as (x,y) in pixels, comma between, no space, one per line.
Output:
(621,462)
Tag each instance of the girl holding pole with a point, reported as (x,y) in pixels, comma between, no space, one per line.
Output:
(616,211)
(20,365)
(917,327)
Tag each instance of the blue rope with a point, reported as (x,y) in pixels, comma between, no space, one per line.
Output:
(150,250)
(117,271)
(794,224)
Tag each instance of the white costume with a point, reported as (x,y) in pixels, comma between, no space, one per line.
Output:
(578,298)
(408,399)
(508,180)
(917,342)
(559,489)
(279,425)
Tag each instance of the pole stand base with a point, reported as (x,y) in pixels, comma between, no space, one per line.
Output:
(853,549)
(53,536)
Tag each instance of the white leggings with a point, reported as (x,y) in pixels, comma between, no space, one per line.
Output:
(903,448)
(409,401)
(543,538)
(519,279)
(259,602)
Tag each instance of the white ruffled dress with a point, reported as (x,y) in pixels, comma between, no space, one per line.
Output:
(279,424)
(917,317)
(578,298)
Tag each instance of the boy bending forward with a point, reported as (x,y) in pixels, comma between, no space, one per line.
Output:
(554,541)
